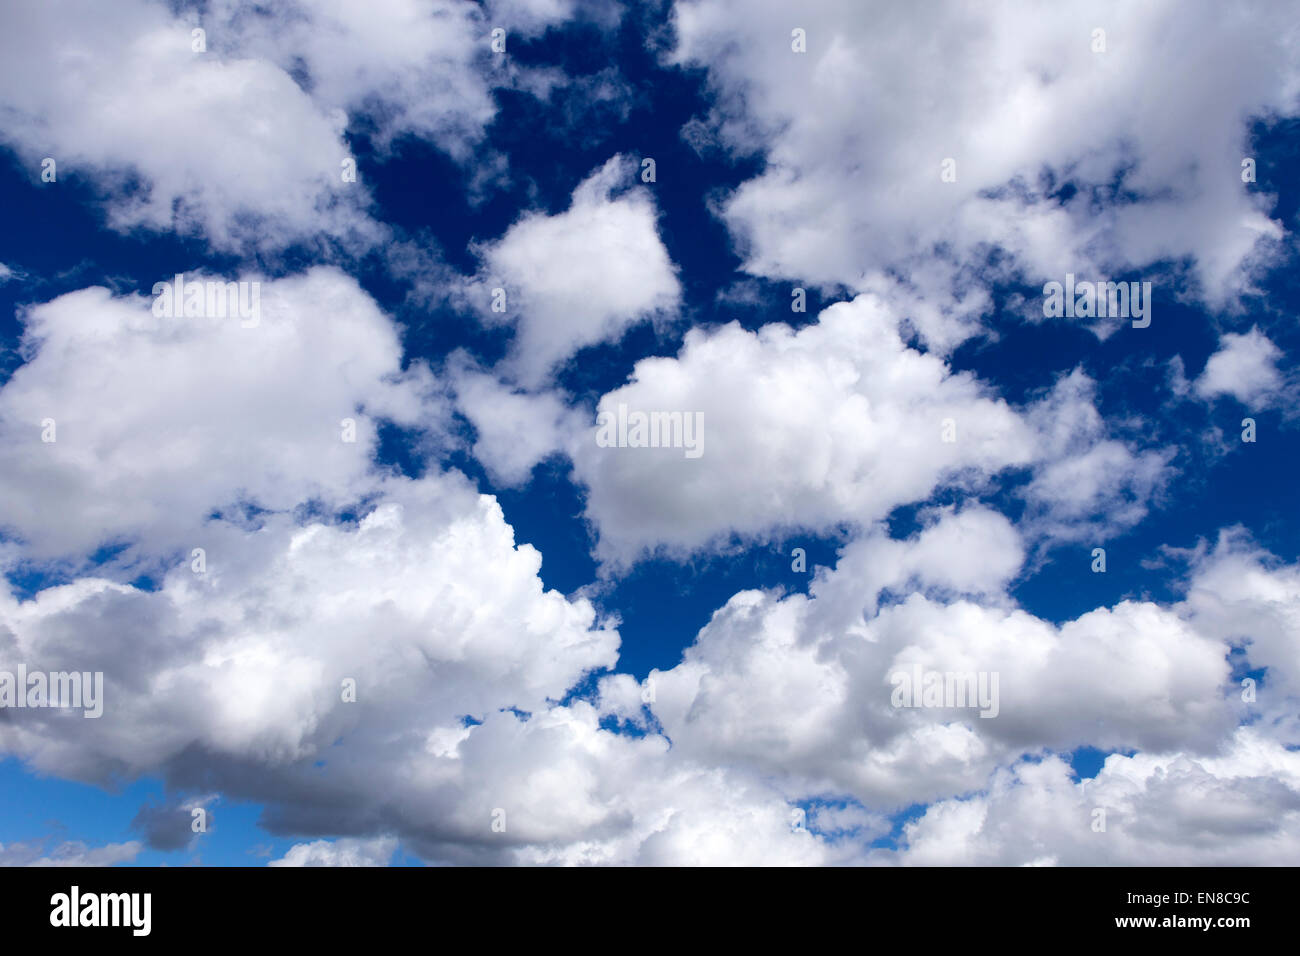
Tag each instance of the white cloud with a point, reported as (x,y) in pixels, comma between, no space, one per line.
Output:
(227,147)
(242,144)
(515,429)
(1243,594)
(582,276)
(1087,486)
(421,68)
(855,131)
(345,852)
(1245,367)
(837,424)
(232,679)
(426,605)
(531,16)
(801,686)
(158,420)
(1241,808)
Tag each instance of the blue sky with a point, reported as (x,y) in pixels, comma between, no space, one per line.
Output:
(776,170)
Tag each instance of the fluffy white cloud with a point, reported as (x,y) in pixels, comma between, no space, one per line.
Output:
(797,689)
(573,793)
(412,68)
(1151,132)
(533,16)
(1241,808)
(803,686)
(243,143)
(1088,486)
(226,146)
(425,604)
(159,421)
(345,852)
(582,276)
(234,678)
(837,424)
(1245,367)
(515,429)
(1243,594)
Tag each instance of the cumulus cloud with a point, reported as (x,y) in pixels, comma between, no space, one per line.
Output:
(242,142)
(233,679)
(579,277)
(803,685)
(422,69)
(227,147)
(797,688)
(425,606)
(1241,593)
(160,421)
(855,132)
(1245,367)
(1168,809)
(345,852)
(203,685)
(837,424)
(514,429)
(1088,486)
